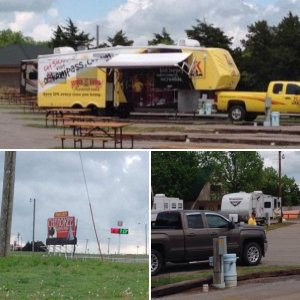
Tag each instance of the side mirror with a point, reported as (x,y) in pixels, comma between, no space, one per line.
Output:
(231,225)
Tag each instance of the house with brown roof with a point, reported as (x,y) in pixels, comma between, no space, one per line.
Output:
(10,61)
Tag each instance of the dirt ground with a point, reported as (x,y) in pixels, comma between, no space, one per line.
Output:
(19,130)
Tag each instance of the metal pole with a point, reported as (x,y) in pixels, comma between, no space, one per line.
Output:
(146,239)
(86,244)
(108,246)
(33,223)
(119,244)
(7,201)
(279,184)
(97,36)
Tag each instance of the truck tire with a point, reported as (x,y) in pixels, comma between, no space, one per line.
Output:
(156,262)
(237,112)
(252,254)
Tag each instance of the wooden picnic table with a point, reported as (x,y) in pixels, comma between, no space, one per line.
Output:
(84,118)
(106,129)
(55,113)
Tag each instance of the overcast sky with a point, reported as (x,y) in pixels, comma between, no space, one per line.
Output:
(290,162)
(118,184)
(140,18)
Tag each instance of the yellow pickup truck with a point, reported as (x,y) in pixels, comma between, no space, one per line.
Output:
(284,95)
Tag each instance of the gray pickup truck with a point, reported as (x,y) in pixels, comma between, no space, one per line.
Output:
(185,236)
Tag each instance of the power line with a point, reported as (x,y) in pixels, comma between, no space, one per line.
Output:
(90,205)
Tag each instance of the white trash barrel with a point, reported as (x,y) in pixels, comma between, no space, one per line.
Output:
(275,118)
(230,275)
(207,108)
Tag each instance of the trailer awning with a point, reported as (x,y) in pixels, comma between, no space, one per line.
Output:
(145,60)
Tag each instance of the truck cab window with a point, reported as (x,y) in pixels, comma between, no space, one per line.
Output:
(195,221)
(292,89)
(277,89)
(168,221)
(215,221)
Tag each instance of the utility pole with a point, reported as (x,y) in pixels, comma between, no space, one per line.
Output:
(108,246)
(279,185)
(146,239)
(33,222)
(7,201)
(97,36)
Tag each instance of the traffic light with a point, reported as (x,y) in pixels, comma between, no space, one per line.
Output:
(123,231)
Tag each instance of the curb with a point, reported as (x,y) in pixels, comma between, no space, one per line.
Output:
(195,283)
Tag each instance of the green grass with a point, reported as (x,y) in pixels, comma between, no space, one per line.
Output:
(38,277)
(174,278)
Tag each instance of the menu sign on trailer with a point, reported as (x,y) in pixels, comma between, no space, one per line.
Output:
(61,230)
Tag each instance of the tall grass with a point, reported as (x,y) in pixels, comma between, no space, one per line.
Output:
(43,277)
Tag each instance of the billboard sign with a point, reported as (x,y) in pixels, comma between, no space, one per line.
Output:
(61,230)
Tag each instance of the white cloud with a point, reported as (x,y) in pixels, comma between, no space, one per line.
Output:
(140,19)
(21,20)
(53,12)
(42,32)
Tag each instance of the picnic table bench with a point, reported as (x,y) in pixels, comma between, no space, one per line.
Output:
(95,131)
(80,139)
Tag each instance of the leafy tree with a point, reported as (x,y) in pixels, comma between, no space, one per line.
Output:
(290,191)
(120,39)
(269,183)
(269,53)
(163,38)
(58,38)
(235,171)
(9,37)
(209,36)
(39,246)
(69,35)
(286,49)
(177,174)
(255,60)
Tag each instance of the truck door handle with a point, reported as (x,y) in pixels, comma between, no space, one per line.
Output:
(287,98)
(214,234)
(191,234)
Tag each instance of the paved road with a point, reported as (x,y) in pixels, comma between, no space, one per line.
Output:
(284,246)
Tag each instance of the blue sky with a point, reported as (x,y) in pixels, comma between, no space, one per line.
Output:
(140,19)
(91,9)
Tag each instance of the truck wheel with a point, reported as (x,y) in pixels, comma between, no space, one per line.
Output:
(237,113)
(156,262)
(252,254)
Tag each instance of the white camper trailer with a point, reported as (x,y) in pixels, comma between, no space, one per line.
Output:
(161,203)
(243,204)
